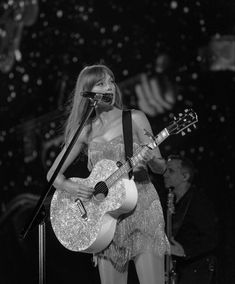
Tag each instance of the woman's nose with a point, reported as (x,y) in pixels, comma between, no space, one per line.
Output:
(108,87)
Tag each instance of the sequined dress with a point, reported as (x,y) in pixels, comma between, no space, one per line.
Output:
(143,229)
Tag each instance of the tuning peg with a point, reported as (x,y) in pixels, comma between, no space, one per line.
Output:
(182,133)
(195,126)
(189,130)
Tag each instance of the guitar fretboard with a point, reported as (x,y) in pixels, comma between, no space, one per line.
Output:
(137,157)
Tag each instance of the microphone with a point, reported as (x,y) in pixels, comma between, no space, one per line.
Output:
(100,97)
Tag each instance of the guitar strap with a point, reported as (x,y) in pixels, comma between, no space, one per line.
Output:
(127,136)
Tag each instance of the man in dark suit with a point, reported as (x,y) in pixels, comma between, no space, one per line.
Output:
(194,225)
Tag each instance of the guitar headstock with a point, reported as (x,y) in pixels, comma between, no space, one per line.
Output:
(183,122)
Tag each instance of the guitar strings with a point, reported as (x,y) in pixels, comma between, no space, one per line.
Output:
(126,166)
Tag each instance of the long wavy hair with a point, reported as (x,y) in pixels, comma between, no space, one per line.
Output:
(87,78)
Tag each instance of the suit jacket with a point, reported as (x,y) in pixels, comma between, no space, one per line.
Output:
(194,224)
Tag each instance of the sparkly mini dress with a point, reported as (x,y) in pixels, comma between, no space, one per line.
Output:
(142,229)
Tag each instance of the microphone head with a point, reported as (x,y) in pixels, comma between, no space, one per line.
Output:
(100,97)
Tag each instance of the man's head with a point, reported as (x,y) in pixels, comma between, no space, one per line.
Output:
(179,173)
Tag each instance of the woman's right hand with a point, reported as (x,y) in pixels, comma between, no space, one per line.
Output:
(78,189)
(83,192)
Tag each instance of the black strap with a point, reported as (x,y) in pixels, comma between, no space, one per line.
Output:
(127,136)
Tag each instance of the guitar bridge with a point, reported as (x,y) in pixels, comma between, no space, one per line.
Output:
(81,208)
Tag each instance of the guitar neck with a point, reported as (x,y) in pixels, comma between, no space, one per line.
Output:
(137,157)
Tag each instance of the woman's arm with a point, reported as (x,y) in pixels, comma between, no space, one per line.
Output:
(61,183)
(153,157)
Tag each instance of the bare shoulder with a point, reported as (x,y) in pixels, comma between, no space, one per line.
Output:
(139,118)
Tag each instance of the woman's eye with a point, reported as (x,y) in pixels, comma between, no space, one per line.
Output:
(100,84)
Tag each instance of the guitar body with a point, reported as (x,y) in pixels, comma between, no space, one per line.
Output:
(89,226)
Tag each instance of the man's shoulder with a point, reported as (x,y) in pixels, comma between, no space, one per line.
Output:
(201,200)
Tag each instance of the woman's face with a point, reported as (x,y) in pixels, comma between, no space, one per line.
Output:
(105,85)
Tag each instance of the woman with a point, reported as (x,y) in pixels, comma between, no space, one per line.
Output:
(140,235)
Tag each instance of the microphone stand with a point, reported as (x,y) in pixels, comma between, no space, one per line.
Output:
(38,216)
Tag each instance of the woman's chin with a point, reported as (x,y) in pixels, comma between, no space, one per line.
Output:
(105,106)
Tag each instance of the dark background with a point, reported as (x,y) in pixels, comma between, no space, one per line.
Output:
(43,47)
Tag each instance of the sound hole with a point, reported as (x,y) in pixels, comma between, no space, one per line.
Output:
(101,191)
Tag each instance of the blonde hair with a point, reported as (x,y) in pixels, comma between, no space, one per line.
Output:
(87,78)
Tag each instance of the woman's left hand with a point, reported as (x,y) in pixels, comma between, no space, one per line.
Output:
(147,154)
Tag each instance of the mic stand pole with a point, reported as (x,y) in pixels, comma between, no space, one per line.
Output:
(42,251)
(39,208)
